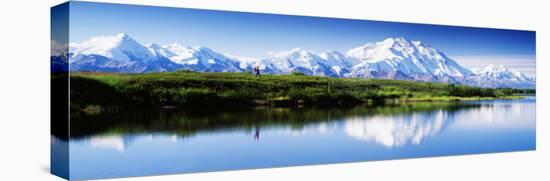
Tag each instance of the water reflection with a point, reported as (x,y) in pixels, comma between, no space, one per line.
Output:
(108,144)
(500,114)
(257,133)
(397,130)
(115,142)
(121,143)
(389,126)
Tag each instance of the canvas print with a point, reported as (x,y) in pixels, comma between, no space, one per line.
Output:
(144,90)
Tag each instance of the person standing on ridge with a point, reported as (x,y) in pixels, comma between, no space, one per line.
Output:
(257,71)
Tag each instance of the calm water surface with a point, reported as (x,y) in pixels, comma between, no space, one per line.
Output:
(163,142)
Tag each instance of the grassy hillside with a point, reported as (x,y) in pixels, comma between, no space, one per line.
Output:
(229,89)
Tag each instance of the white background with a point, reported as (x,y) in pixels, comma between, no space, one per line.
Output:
(24,88)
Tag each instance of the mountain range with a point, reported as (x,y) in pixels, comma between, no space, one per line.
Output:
(392,58)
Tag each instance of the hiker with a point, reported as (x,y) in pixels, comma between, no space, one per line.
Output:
(257,71)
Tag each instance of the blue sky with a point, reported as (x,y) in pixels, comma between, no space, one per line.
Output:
(254,35)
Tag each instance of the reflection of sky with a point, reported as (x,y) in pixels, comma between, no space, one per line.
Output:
(503,114)
(385,130)
(502,126)
(121,142)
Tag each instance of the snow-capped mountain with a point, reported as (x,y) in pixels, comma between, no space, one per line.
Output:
(399,58)
(201,59)
(59,57)
(160,51)
(500,76)
(392,58)
(120,48)
(338,63)
(300,60)
(119,53)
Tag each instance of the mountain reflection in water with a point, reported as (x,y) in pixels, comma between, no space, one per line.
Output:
(148,142)
(390,126)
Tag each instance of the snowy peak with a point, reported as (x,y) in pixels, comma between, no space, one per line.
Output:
(501,71)
(175,47)
(493,68)
(180,53)
(334,57)
(389,48)
(159,51)
(331,63)
(122,36)
(104,43)
(398,42)
(413,58)
(200,58)
(501,76)
(293,53)
(120,47)
(154,46)
(296,59)
(394,47)
(333,53)
(391,58)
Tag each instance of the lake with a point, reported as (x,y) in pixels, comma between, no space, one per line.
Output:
(154,142)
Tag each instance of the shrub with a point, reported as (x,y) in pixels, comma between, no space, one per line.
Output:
(296,73)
